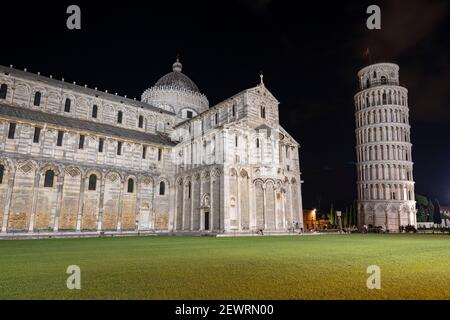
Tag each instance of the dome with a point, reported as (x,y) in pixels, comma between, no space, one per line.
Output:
(176,93)
(177,80)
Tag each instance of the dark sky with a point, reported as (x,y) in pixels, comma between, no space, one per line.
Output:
(310,54)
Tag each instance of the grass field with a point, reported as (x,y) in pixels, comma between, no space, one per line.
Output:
(301,267)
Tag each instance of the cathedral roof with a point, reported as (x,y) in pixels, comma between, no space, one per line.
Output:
(177,80)
(79,89)
(77,124)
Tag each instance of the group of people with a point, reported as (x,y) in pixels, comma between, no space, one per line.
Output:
(293,229)
(382,229)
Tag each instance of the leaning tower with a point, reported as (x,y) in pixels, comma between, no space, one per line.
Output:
(383,148)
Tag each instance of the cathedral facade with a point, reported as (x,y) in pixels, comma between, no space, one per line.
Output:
(76,159)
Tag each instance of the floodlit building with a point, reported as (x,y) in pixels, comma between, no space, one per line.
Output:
(383,147)
(78,159)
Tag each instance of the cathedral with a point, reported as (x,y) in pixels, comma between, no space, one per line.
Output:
(75,159)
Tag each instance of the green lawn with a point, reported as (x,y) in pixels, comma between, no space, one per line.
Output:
(300,267)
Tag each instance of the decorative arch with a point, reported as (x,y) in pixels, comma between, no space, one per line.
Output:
(233,172)
(97,172)
(216,172)
(205,174)
(26,166)
(206,200)
(244,174)
(73,172)
(163,185)
(113,176)
(50,166)
(147,180)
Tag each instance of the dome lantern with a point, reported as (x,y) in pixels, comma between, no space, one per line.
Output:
(177,66)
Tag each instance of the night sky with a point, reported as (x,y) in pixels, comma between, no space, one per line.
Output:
(309,53)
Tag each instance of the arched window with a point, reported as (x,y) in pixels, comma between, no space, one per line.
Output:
(94,111)
(141,122)
(383,80)
(37,99)
(3,91)
(67,105)
(130,185)
(367,83)
(2,172)
(263,112)
(92,182)
(257,143)
(119,117)
(384,98)
(49,177)
(162,188)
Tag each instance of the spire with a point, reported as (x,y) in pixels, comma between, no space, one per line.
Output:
(261,75)
(177,66)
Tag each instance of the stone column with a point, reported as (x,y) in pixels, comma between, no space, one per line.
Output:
(264,206)
(300,203)
(291,198)
(152,217)
(81,203)
(193,183)
(183,204)
(175,208)
(283,201)
(58,201)
(211,202)
(238,200)
(119,220)
(138,203)
(221,181)
(251,205)
(275,205)
(37,178)
(101,204)
(201,214)
(12,174)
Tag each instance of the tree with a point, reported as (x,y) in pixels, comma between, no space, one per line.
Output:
(430,211)
(425,209)
(422,207)
(332,216)
(355,213)
(345,218)
(437,213)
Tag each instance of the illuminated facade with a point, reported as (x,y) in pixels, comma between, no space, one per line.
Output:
(383,146)
(76,159)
